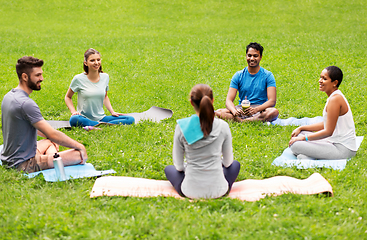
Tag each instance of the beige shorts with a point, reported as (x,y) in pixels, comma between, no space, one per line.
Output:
(37,163)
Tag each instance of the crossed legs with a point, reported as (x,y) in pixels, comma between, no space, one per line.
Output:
(268,115)
(80,121)
(320,149)
(176,177)
(46,150)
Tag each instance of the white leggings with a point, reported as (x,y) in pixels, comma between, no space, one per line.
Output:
(320,149)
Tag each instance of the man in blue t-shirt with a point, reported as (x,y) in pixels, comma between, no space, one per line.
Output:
(255,84)
(22,120)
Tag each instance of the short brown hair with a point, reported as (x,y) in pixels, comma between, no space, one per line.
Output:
(26,64)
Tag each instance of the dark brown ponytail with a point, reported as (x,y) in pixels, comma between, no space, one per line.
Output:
(202,96)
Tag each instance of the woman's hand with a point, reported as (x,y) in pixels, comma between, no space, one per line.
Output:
(116,114)
(75,113)
(296,132)
(295,139)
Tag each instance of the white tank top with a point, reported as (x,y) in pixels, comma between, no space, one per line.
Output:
(344,132)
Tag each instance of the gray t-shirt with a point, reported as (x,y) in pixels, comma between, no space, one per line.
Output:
(90,95)
(18,113)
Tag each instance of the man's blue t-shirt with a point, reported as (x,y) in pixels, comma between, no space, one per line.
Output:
(253,86)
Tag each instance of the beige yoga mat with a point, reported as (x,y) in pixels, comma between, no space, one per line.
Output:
(246,190)
(154,114)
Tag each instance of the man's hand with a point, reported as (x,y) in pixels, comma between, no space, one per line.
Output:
(251,111)
(61,138)
(238,112)
(83,154)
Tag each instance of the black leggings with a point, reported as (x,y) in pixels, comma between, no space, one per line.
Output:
(176,177)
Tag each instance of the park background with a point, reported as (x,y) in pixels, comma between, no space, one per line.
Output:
(154,52)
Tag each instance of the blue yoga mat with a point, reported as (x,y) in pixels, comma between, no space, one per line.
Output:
(296,121)
(71,172)
(288,159)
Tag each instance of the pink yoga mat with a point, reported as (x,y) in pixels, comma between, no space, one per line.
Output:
(246,190)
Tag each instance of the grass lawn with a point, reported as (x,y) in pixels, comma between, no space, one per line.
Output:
(154,52)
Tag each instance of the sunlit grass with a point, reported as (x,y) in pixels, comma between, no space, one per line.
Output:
(154,52)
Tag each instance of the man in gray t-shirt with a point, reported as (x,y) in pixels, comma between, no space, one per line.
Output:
(22,120)
(18,113)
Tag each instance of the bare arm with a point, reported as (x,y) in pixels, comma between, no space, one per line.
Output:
(69,101)
(333,110)
(60,138)
(108,105)
(272,99)
(39,133)
(333,113)
(231,95)
(310,128)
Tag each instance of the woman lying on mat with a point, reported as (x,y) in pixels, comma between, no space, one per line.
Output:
(202,139)
(335,137)
(92,87)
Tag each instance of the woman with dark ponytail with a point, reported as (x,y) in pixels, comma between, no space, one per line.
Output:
(202,140)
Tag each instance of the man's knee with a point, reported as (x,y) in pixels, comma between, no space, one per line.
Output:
(223,113)
(275,114)
(55,145)
(45,145)
(45,141)
(271,114)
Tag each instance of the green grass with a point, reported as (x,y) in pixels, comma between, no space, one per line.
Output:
(154,52)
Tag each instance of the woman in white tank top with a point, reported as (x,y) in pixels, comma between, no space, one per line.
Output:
(335,137)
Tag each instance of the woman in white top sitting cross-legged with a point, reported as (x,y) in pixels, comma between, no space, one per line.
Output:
(335,137)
